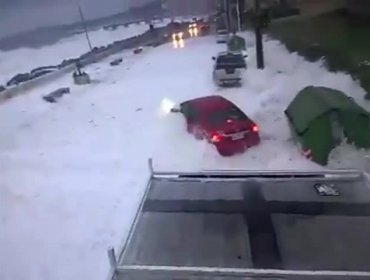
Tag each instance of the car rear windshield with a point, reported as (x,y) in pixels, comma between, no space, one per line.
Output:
(231,60)
(219,117)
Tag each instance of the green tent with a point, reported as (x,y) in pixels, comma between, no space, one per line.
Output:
(236,44)
(321,118)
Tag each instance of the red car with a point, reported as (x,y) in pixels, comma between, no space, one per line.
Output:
(221,123)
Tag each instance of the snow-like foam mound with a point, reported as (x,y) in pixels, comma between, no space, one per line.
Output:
(72,174)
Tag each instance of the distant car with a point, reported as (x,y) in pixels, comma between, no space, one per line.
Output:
(177,36)
(228,68)
(178,40)
(222,36)
(193,29)
(176,29)
(110,27)
(221,123)
(204,28)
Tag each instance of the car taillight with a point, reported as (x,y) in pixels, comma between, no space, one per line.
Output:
(215,138)
(255,128)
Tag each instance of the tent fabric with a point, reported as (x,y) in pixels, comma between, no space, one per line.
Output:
(321,117)
(313,102)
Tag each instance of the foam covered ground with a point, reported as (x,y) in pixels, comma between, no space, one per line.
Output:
(72,173)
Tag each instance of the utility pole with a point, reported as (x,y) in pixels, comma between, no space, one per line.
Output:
(258,32)
(84,26)
(227,10)
(238,14)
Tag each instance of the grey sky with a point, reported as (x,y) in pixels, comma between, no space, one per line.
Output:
(22,15)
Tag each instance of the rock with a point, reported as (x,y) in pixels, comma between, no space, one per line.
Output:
(138,50)
(56,94)
(49,99)
(2,88)
(116,62)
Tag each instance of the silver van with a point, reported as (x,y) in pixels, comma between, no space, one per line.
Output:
(228,68)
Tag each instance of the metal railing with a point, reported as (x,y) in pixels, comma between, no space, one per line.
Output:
(262,174)
(184,272)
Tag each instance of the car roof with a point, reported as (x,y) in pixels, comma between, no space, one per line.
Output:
(208,103)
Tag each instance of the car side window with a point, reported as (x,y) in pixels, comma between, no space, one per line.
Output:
(219,63)
(189,112)
(219,60)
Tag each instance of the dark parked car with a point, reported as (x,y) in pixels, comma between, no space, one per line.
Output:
(221,123)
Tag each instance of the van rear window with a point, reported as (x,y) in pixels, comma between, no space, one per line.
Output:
(231,60)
